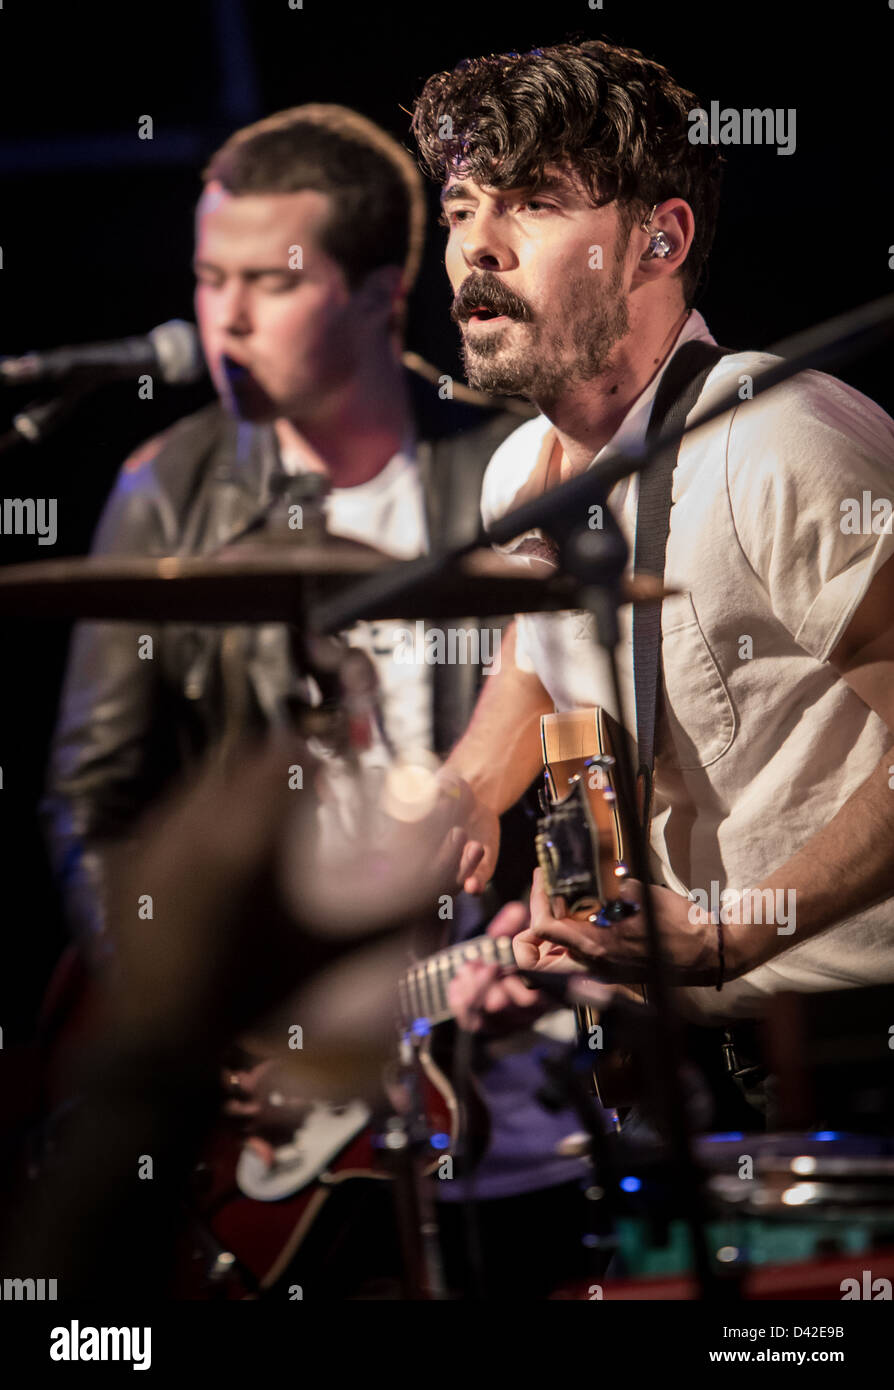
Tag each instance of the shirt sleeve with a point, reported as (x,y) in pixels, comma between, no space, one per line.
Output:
(810,473)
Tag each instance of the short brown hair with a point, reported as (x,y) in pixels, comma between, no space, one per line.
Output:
(378,199)
(618,119)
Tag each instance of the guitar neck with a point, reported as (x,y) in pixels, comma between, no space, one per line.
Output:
(423,989)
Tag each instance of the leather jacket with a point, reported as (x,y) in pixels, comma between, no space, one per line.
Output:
(128,726)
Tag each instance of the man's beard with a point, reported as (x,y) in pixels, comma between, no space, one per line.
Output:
(544,366)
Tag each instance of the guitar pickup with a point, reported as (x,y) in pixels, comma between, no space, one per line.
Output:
(565,843)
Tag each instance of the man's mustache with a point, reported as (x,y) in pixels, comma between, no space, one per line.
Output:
(487,292)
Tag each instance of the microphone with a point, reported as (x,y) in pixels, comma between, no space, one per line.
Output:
(172,351)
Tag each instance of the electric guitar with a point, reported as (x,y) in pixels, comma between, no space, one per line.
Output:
(582,842)
(250,1222)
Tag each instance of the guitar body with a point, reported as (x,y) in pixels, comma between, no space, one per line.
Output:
(237,1246)
(458,1123)
(582,846)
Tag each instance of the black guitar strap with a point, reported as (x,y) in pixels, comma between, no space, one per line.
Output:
(681,385)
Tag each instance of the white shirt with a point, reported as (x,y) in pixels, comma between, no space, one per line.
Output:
(755,753)
(388,512)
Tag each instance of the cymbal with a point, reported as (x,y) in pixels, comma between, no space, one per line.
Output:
(276,583)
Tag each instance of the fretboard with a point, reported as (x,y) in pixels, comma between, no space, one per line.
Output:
(423,989)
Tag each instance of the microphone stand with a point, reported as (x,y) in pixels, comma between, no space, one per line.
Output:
(597,559)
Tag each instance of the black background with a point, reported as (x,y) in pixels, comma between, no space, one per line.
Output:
(96,229)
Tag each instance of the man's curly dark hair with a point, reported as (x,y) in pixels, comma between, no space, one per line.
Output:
(618,119)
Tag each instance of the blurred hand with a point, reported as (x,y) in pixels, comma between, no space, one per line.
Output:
(481,833)
(264,1104)
(482,849)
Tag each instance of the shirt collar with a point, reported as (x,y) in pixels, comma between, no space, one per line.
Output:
(631,433)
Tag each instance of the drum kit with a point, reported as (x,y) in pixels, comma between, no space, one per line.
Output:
(814,1205)
(786,1216)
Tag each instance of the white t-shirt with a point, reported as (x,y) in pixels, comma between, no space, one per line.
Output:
(388,512)
(759,741)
